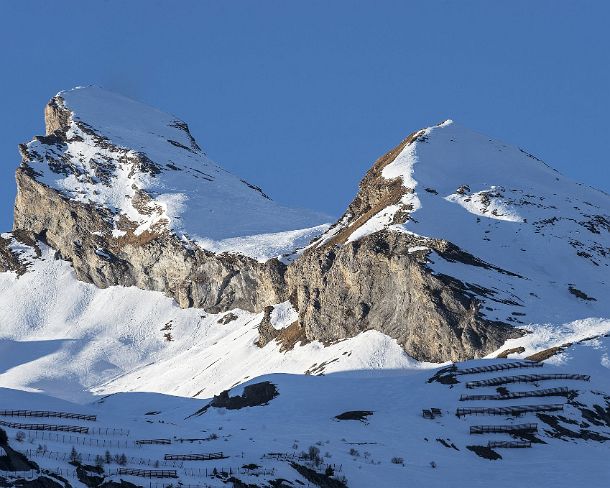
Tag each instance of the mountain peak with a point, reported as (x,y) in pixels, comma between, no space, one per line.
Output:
(515,216)
(145,168)
(124,121)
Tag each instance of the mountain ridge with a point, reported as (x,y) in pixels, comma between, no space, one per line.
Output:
(435,251)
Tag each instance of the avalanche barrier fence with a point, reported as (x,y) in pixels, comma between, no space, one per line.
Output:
(47,414)
(195,457)
(512,410)
(501,429)
(526,378)
(509,444)
(59,428)
(499,367)
(561,391)
(149,473)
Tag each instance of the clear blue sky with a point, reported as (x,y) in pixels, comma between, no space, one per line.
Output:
(301,97)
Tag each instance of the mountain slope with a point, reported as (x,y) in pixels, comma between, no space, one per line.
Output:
(517,242)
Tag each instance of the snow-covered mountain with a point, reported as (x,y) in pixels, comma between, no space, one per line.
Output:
(147,169)
(540,242)
(140,269)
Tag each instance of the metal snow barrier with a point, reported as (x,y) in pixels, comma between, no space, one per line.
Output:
(60,428)
(149,473)
(432,413)
(194,457)
(499,367)
(509,444)
(501,429)
(561,391)
(512,411)
(45,413)
(153,441)
(526,378)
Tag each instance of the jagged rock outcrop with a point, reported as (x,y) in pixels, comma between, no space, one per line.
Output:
(82,234)
(376,284)
(11,258)
(430,252)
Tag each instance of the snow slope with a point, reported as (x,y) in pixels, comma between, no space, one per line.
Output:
(118,148)
(393,446)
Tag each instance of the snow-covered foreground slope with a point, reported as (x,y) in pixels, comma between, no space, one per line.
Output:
(392,446)
(144,166)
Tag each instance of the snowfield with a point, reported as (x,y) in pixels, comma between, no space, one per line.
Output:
(392,446)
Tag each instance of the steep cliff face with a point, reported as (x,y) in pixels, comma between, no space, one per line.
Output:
(379,283)
(451,245)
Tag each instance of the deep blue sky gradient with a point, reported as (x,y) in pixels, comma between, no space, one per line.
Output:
(301,97)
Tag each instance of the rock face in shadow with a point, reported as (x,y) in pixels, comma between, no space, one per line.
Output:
(339,287)
(254,395)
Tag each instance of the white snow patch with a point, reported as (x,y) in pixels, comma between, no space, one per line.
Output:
(283,315)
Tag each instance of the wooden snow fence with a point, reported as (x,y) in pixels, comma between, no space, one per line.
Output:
(59,428)
(511,411)
(195,457)
(153,441)
(561,391)
(504,429)
(508,444)
(499,367)
(149,473)
(47,414)
(526,378)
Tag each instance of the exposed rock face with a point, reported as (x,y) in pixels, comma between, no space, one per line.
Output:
(254,395)
(266,331)
(11,259)
(194,277)
(374,283)
(161,262)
